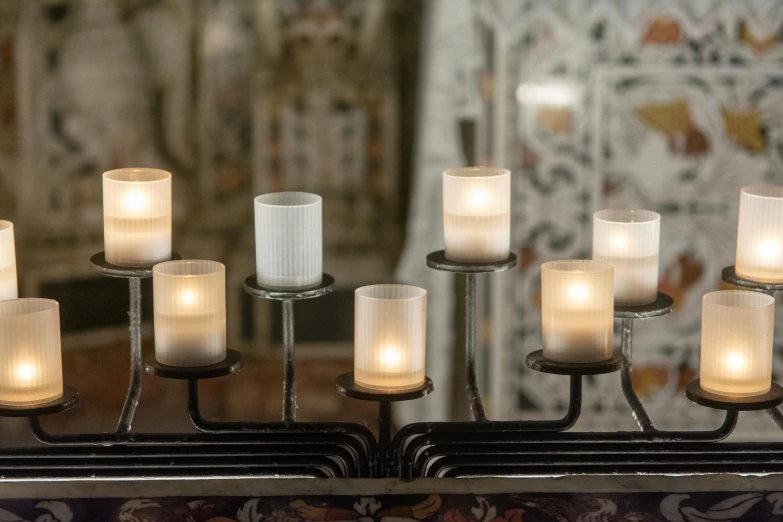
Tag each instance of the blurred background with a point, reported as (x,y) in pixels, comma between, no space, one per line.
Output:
(661,104)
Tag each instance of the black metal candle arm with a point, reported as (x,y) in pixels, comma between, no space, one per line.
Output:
(477,448)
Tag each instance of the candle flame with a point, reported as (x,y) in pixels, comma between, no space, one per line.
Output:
(578,293)
(478,198)
(187,298)
(25,372)
(619,241)
(135,201)
(390,357)
(736,362)
(769,250)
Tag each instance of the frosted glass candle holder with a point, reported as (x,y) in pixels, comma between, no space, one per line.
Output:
(629,240)
(31,370)
(577,310)
(137,216)
(390,331)
(736,342)
(760,235)
(190,312)
(8,288)
(289,240)
(477,214)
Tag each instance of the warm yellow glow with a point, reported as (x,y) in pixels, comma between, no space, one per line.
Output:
(769,250)
(736,362)
(478,199)
(187,298)
(135,202)
(390,357)
(25,372)
(619,242)
(578,293)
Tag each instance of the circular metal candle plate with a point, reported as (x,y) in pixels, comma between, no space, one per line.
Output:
(99,264)
(764,401)
(231,364)
(287,294)
(537,361)
(439,261)
(661,306)
(730,276)
(68,400)
(346,385)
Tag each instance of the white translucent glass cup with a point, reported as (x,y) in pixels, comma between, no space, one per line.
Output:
(8,284)
(760,234)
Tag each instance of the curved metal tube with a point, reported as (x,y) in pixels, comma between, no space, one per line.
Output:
(134,387)
(776,416)
(626,377)
(474,393)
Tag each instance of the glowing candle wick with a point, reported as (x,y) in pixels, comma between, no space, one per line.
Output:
(390,358)
(187,298)
(769,249)
(478,198)
(135,201)
(25,372)
(577,293)
(736,362)
(619,242)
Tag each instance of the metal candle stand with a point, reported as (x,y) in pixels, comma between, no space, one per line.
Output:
(288,296)
(346,385)
(134,275)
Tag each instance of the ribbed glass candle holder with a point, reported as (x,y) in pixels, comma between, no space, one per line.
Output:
(736,342)
(190,312)
(629,241)
(137,216)
(477,214)
(289,240)
(31,370)
(390,332)
(577,310)
(760,234)
(8,285)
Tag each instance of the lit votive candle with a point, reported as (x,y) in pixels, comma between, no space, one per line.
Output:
(30,358)
(760,234)
(477,214)
(736,342)
(577,310)
(190,312)
(8,288)
(390,332)
(289,240)
(137,216)
(628,240)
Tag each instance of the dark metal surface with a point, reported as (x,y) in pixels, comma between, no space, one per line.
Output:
(231,364)
(99,264)
(346,385)
(771,399)
(384,438)
(439,261)
(626,377)
(661,306)
(289,363)
(537,361)
(134,377)
(67,400)
(730,276)
(286,294)
(474,392)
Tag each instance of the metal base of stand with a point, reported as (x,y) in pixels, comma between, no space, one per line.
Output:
(347,386)
(661,306)
(439,261)
(231,364)
(99,264)
(67,400)
(536,361)
(287,294)
(729,275)
(764,401)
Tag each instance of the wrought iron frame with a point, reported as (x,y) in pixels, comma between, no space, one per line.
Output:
(481,447)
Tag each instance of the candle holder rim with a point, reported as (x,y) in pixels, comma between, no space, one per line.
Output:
(289,294)
(730,276)
(347,386)
(165,177)
(769,300)
(601,266)
(99,264)
(219,267)
(67,400)
(764,401)
(231,364)
(421,291)
(536,361)
(439,261)
(6,225)
(501,172)
(316,199)
(663,305)
(655,216)
(8,303)
(749,191)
